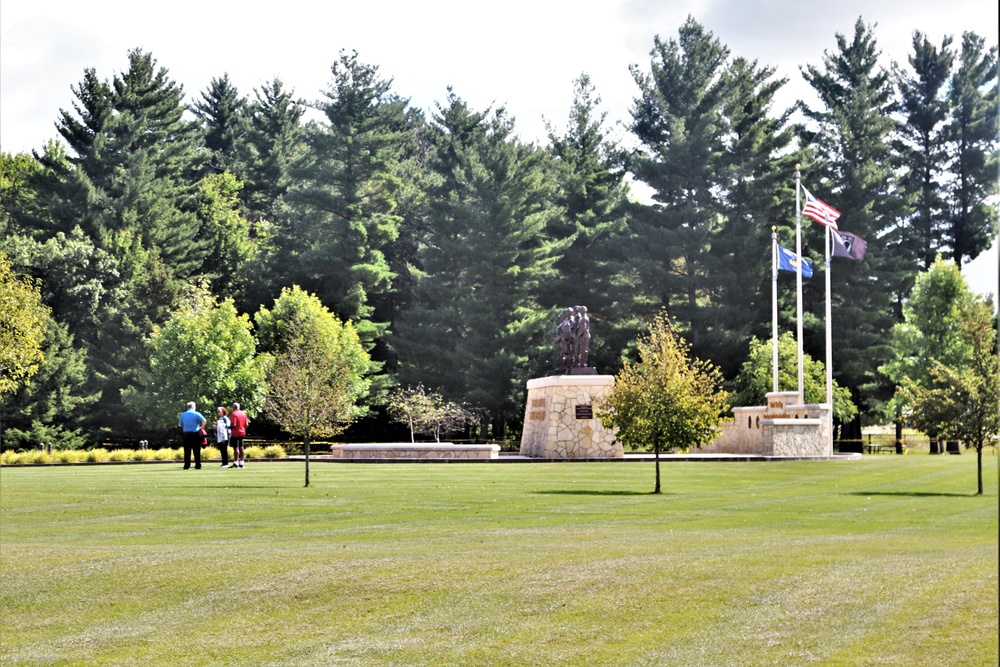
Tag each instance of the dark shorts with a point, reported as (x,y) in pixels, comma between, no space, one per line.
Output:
(236,441)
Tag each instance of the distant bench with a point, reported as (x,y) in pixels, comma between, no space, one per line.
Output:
(410,451)
(880,449)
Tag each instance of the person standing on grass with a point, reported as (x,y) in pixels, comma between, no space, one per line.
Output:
(222,434)
(237,431)
(192,425)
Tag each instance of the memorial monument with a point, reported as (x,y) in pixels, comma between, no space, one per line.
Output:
(559,421)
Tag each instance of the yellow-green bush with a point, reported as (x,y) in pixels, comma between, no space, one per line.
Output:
(35,456)
(98,454)
(166,454)
(254,452)
(9,456)
(275,452)
(70,455)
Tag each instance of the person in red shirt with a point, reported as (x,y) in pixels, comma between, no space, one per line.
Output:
(237,431)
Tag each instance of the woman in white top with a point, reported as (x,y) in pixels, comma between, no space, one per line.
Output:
(222,434)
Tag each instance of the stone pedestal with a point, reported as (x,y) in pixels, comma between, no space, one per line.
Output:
(784,427)
(559,421)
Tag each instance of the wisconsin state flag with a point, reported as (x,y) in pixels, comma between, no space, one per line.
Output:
(788,261)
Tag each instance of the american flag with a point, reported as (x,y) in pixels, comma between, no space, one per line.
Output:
(820,211)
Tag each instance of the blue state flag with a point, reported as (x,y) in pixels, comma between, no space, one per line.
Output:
(789,261)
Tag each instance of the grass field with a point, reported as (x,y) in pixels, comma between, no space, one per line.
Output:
(891,560)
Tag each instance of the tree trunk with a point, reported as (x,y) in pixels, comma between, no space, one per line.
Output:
(979,468)
(484,427)
(656,450)
(305,446)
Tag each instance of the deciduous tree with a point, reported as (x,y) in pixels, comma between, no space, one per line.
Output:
(756,378)
(23,321)
(928,335)
(205,352)
(666,399)
(426,412)
(318,380)
(962,401)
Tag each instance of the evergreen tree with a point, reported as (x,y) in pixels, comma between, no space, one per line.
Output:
(679,122)
(756,193)
(973,130)
(225,114)
(129,184)
(342,214)
(593,271)
(49,407)
(133,166)
(855,172)
(277,145)
(155,153)
(484,261)
(85,126)
(922,145)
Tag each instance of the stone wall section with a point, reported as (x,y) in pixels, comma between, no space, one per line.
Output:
(436,450)
(559,419)
(784,427)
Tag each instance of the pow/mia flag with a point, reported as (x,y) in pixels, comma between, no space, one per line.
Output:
(846,244)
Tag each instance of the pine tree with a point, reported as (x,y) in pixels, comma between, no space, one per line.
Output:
(277,141)
(225,114)
(484,261)
(342,214)
(922,145)
(856,174)
(973,129)
(155,153)
(679,121)
(593,271)
(756,194)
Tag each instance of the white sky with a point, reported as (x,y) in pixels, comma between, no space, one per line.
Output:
(523,54)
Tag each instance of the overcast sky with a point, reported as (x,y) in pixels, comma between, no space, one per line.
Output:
(523,54)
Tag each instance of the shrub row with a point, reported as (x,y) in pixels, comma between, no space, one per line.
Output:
(10,457)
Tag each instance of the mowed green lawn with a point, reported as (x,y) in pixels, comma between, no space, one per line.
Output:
(891,560)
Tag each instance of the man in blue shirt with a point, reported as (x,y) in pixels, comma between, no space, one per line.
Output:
(192,423)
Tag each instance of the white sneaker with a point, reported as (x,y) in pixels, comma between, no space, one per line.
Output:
(233,465)
(224,465)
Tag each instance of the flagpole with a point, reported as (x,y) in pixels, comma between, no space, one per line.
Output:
(774,308)
(798,281)
(829,331)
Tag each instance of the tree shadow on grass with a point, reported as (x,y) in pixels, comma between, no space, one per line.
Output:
(584,492)
(913,494)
